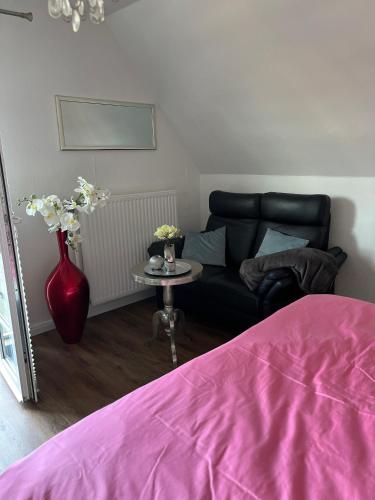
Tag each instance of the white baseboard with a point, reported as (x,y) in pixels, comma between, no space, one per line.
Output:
(46,326)
(41,327)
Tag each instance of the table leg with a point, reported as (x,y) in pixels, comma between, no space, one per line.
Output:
(180,320)
(170,315)
(169,318)
(156,320)
(171,334)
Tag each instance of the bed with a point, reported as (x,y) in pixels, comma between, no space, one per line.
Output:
(284,411)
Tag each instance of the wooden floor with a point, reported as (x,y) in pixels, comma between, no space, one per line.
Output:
(75,380)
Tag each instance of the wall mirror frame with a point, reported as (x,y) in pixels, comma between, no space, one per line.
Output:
(96,124)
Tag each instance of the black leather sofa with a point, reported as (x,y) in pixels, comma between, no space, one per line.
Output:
(220,293)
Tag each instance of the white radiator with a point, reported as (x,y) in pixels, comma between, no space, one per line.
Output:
(116,238)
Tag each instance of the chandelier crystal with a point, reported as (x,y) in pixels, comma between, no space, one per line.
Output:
(75,11)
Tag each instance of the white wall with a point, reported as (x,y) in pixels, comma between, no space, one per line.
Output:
(262,86)
(284,89)
(353,218)
(44,58)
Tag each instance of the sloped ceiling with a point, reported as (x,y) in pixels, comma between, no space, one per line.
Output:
(261,86)
(115,5)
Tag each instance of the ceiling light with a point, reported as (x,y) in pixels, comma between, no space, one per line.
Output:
(75,11)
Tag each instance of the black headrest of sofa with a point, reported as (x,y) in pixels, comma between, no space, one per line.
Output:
(235,205)
(306,209)
(301,209)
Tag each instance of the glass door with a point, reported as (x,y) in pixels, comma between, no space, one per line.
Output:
(16,359)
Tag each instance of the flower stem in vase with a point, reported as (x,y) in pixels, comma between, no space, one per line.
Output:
(169,258)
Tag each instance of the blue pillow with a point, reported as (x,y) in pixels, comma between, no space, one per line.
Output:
(274,242)
(206,248)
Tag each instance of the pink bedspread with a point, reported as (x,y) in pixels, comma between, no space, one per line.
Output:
(284,411)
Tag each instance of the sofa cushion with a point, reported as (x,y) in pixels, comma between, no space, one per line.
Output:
(274,242)
(226,286)
(209,272)
(206,248)
(317,236)
(240,237)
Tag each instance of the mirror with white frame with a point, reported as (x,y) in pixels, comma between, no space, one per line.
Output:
(86,124)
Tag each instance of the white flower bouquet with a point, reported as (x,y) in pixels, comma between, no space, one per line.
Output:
(166,232)
(63,215)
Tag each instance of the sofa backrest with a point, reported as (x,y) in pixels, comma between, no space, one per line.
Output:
(247,217)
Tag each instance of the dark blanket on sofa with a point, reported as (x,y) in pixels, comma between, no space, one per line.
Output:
(314,269)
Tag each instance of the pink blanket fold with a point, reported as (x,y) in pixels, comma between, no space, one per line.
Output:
(284,411)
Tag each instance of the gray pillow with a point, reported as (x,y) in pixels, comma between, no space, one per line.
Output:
(274,241)
(206,248)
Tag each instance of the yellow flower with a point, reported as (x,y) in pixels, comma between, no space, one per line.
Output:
(166,232)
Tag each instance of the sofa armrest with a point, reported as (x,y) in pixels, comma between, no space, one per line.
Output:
(275,282)
(338,254)
(157,247)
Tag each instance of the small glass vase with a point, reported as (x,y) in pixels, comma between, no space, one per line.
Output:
(169,257)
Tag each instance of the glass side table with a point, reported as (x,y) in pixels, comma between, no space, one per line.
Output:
(168,317)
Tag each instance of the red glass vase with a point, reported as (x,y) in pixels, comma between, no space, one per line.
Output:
(67,294)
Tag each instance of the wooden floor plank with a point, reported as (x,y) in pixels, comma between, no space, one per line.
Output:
(112,360)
